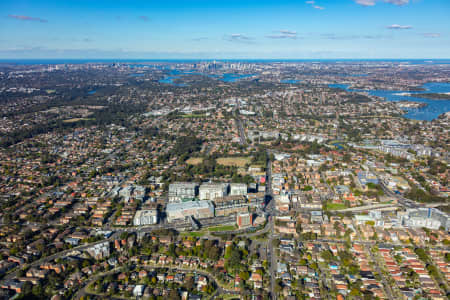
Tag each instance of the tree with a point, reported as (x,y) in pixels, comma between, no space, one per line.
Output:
(189,283)
(244,275)
(173,294)
(37,290)
(278,286)
(327,255)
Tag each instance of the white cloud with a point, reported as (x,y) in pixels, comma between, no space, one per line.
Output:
(432,35)
(313,4)
(397,2)
(288,32)
(283,34)
(373,2)
(27,18)
(398,27)
(238,37)
(365,2)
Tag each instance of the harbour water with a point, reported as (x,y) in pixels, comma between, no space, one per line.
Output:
(290,81)
(225,77)
(433,109)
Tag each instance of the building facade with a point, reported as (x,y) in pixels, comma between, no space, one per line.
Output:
(182,190)
(210,191)
(145,217)
(228,205)
(238,189)
(196,209)
(244,220)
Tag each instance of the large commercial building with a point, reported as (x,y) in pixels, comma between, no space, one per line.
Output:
(431,218)
(238,189)
(228,205)
(179,191)
(196,209)
(256,200)
(145,217)
(210,191)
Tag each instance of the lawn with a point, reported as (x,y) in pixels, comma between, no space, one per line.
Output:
(194,161)
(230,297)
(194,116)
(76,120)
(222,228)
(335,206)
(234,161)
(193,233)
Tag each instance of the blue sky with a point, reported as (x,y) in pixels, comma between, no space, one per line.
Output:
(225,29)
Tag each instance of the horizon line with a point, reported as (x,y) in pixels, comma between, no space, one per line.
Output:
(212,59)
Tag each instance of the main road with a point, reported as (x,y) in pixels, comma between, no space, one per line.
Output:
(386,285)
(13,274)
(240,128)
(270,209)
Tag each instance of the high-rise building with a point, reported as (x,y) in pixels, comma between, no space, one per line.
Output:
(244,220)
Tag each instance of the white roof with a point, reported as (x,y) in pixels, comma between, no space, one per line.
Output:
(189,205)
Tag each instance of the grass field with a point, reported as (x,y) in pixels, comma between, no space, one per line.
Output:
(222,228)
(193,233)
(194,161)
(335,206)
(234,161)
(194,116)
(75,120)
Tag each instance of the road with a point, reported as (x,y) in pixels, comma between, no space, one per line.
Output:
(270,209)
(368,207)
(386,285)
(271,255)
(240,128)
(323,278)
(372,243)
(117,231)
(408,203)
(36,263)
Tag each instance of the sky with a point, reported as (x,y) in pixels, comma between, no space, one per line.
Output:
(232,29)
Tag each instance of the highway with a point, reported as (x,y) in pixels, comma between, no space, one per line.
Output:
(240,128)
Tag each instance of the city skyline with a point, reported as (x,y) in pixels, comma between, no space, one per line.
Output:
(319,29)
